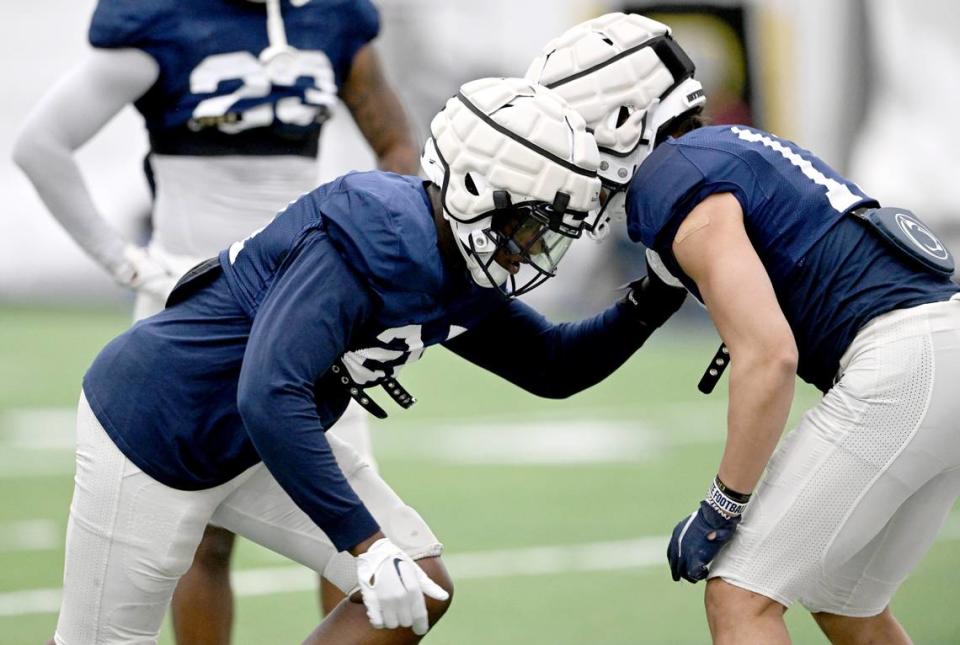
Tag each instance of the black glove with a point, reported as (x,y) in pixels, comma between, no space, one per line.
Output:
(652,300)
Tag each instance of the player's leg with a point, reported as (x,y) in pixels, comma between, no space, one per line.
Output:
(129,538)
(741,617)
(353,428)
(853,630)
(348,622)
(202,606)
(851,601)
(851,604)
(833,485)
(261,511)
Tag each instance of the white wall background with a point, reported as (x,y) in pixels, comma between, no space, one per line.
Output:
(430,46)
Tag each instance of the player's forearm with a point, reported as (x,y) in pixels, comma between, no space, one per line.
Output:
(58,181)
(597,347)
(289,438)
(761,391)
(402,157)
(584,353)
(379,114)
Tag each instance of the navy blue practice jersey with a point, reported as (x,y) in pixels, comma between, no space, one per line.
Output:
(831,274)
(234,373)
(213,87)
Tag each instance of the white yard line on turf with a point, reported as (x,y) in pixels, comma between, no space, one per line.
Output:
(39,442)
(532,561)
(31,535)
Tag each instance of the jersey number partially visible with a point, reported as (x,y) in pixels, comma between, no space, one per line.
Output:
(257,82)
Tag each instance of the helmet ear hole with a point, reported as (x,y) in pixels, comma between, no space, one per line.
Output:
(470,185)
(623,115)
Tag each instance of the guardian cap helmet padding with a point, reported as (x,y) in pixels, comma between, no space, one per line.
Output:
(629,80)
(517,171)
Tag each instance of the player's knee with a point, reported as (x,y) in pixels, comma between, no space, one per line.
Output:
(213,553)
(726,602)
(434,568)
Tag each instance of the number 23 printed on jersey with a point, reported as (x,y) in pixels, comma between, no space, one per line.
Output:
(297,89)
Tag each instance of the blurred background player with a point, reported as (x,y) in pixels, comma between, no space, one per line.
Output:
(234,94)
(805,275)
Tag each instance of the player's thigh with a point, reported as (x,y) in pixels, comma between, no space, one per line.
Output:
(129,538)
(864,584)
(354,428)
(924,477)
(263,512)
(856,453)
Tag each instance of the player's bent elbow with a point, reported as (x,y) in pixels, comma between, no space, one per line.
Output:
(774,362)
(253,408)
(784,357)
(26,152)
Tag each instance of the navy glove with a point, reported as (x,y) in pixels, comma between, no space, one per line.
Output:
(652,301)
(696,541)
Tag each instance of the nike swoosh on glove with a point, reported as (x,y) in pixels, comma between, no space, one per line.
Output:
(696,540)
(393,587)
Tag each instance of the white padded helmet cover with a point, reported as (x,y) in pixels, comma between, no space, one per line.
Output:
(483,155)
(635,80)
(604,69)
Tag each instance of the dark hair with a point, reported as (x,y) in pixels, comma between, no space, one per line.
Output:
(681,125)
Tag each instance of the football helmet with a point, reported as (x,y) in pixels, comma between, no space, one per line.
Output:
(517,172)
(629,80)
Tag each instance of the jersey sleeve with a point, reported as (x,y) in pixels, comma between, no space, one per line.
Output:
(124,23)
(301,327)
(363,27)
(551,360)
(672,181)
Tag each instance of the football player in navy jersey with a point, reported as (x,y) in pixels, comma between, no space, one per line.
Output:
(214,410)
(234,94)
(804,274)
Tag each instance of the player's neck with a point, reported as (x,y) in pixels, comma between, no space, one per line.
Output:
(446,241)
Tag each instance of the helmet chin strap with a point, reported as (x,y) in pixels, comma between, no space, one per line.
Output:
(485,273)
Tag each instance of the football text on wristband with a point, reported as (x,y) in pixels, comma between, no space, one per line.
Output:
(729,503)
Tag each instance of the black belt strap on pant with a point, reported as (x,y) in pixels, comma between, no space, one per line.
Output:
(714,370)
(396,391)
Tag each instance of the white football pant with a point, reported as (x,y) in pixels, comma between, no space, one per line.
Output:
(130,538)
(853,498)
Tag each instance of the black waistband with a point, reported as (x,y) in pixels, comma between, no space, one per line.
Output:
(257,142)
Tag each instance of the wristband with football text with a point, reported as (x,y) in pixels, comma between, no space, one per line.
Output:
(726,501)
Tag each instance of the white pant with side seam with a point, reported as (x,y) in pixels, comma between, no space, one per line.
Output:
(130,538)
(853,498)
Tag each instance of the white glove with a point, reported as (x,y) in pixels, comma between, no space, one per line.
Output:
(393,587)
(143,272)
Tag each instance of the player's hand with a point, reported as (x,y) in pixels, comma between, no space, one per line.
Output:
(143,272)
(653,300)
(393,587)
(696,540)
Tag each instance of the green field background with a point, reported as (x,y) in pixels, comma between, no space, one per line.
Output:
(474,505)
